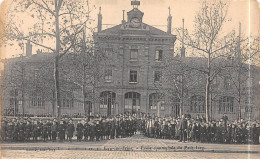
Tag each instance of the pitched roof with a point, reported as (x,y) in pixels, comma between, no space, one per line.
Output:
(118,28)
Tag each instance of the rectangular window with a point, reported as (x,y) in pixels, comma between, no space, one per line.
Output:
(133,77)
(109,52)
(108,75)
(227,83)
(157,76)
(37,100)
(133,54)
(158,55)
(214,81)
(67,103)
(36,74)
(248,109)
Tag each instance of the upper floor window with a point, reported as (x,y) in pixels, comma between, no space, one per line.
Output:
(14,92)
(215,80)
(158,55)
(108,75)
(67,103)
(133,54)
(227,83)
(249,109)
(109,52)
(226,104)
(198,104)
(36,74)
(133,76)
(177,78)
(157,76)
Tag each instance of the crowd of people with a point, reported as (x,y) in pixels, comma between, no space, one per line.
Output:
(96,128)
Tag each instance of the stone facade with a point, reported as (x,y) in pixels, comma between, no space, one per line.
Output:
(134,79)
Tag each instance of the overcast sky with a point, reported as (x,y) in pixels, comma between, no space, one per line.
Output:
(156,13)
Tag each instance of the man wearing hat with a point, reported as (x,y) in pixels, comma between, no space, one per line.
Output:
(70,130)
(28,130)
(4,128)
(183,129)
(61,131)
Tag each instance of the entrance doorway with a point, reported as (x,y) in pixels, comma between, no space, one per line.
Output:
(108,101)
(132,102)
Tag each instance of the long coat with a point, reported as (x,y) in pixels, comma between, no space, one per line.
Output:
(70,130)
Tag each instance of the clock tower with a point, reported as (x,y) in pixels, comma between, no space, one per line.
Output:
(135,16)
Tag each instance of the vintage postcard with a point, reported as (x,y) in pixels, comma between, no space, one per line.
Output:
(130,79)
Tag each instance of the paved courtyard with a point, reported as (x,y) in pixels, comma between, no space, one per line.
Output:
(137,146)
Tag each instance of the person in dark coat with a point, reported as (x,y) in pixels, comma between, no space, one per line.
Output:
(86,130)
(183,129)
(61,131)
(79,130)
(45,131)
(28,130)
(173,132)
(233,133)
(197,132)
(193,132)
(238,134)
(21,131)
(98,130)
(15,132)
(255,134)
(113,128)
(35,131)
(203,133)
(10,127)
(92,129)
(70,130)
(4,129)
(49,124)
(54,130)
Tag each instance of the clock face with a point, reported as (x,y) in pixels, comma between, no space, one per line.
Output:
(135,22)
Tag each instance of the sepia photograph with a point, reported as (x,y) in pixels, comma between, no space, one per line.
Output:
(130,79)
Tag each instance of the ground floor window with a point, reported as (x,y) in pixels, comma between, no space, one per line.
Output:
(37,99)
(226,104)
(155,100)
(132,102)
(107,101)
(197,104)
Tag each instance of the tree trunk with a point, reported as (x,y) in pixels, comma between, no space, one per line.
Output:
(84,91)
(56,63)
(57,88)
(207,98)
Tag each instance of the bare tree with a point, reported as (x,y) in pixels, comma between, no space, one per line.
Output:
(207,41)
(58,28)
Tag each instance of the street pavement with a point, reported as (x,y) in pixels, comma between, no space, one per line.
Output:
(135,147)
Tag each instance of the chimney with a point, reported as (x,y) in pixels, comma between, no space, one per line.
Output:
(169,25)
(182,41)
(99,20)
(123,21)
(28,48)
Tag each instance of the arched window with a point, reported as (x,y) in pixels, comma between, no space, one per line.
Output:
(107,98)
(132,102)
(226,104)
(107,101)
(197,104)
(155,99)
(175,100)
